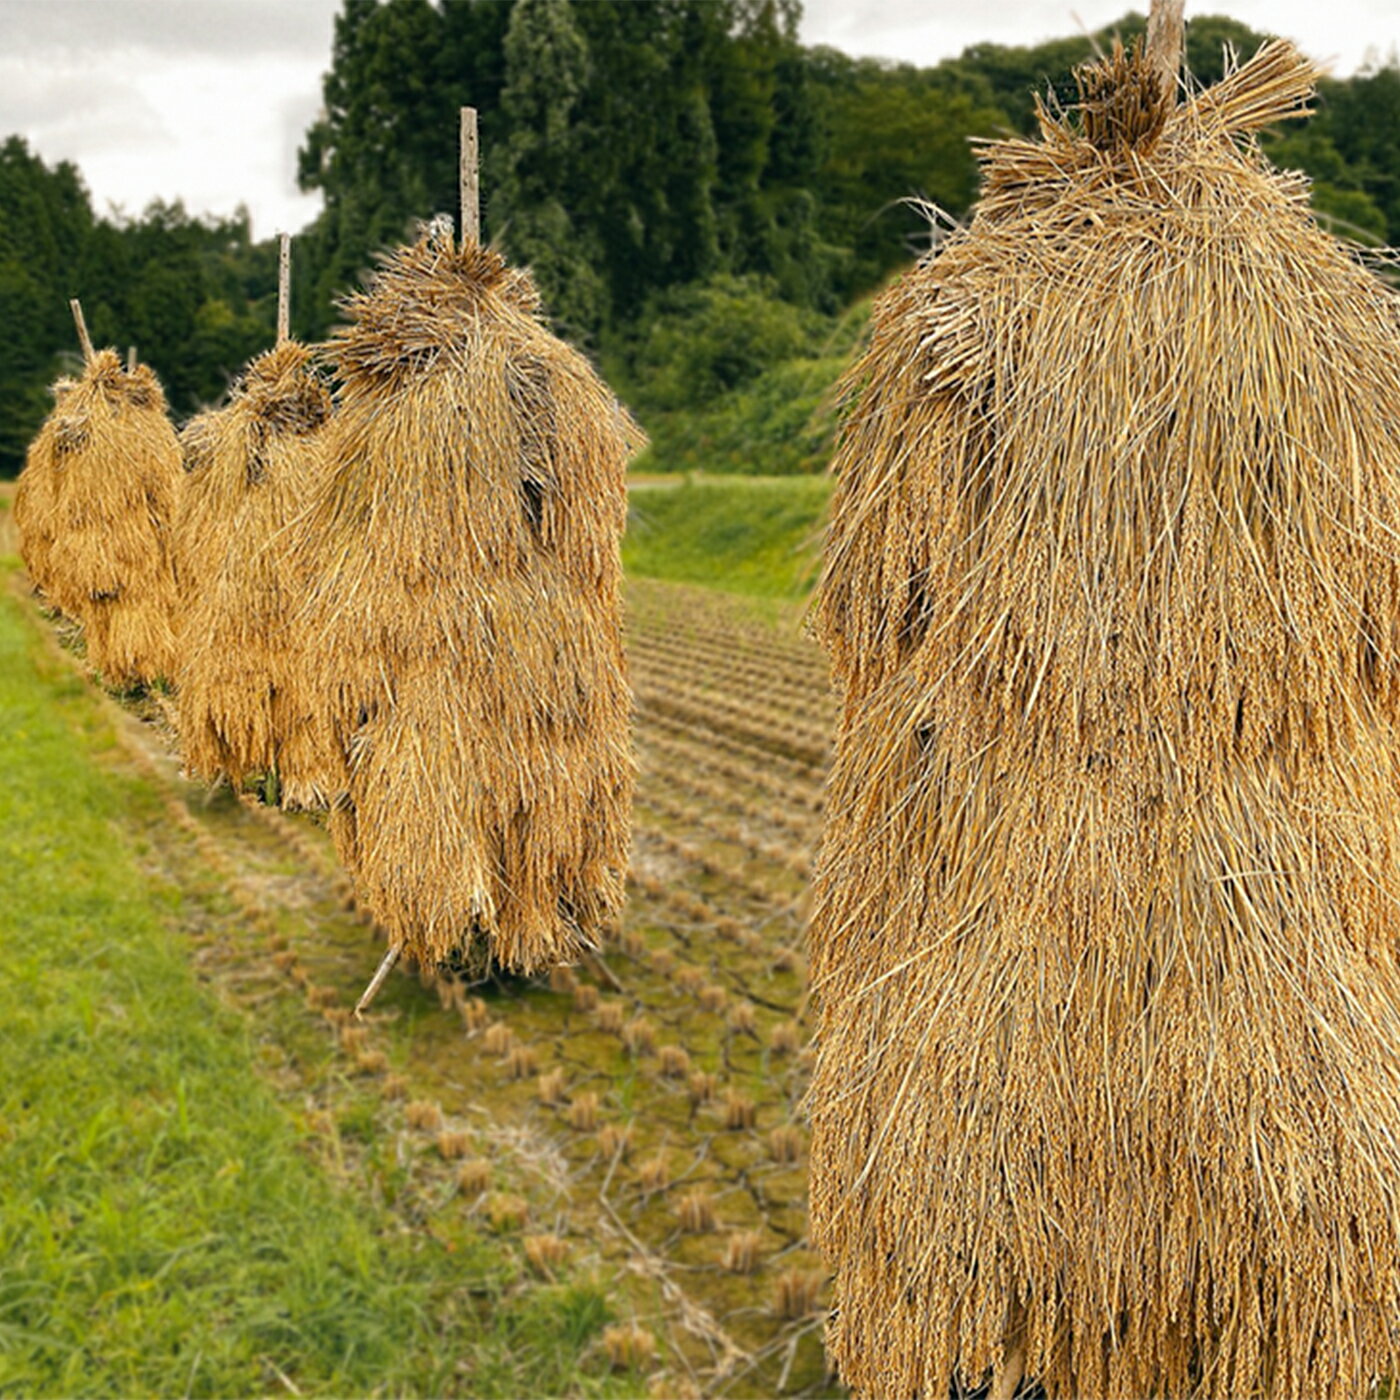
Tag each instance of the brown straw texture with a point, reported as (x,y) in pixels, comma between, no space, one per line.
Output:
(252,468)
(465,617)
(1104,929)
(94,507)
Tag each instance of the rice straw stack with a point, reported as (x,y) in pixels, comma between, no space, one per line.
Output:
(1104,928)
(253,466)
(94,506)
(465,619)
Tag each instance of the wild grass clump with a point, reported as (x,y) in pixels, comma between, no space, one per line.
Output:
(695,1212)
(545,1253)
(464,617)
(1104,930)
(94,507)
(741,1252)
(474,1177)
(628,1347)
(583,1112)
(654,1174)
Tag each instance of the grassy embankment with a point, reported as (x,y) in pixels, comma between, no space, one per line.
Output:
(733,493)
(164,1227)
(754,535)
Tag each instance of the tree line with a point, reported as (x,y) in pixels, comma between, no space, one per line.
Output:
(650,161)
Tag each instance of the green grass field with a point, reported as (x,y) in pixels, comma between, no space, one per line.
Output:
(753,535)
(165,1225)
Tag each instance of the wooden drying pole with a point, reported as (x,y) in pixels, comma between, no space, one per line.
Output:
(1166,41)
(273,787)
(469,199)
(131,359)
(469,179)
(386,966)
(1013,1370)
(284,288)
(76,307)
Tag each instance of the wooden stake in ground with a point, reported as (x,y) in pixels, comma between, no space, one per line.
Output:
(381,973)
(469,179)
(1103,930)
(284,287)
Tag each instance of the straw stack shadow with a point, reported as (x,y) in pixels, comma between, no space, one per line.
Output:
(463,622)
(1103,938)
(252,467)
(94,507)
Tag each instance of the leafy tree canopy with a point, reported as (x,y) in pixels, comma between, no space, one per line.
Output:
(690,184)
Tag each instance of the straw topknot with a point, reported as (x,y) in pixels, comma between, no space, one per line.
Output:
(465,615)
(93,509)
(252,468)
(1104,930)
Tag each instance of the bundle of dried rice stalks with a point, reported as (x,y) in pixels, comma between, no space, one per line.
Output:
(36,509)
(466,615)
(252,466)
(1104,928)
(94,506)
(196,534)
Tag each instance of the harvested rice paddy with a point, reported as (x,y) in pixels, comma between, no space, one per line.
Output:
(634,1120)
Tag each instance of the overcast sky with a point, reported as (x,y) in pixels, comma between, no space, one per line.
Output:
(207,100)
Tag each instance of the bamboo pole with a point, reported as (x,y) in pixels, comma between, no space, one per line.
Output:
(469,179)
(131,359)
(284,288)
(386,966)
(1166,40)
(76,307)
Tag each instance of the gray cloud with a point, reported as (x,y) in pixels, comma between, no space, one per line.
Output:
(76,108)
(920,32)
(201,100)
(296,113)
(227,28)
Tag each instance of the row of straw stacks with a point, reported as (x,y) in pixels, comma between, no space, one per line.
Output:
(404,606)
(1107,1094)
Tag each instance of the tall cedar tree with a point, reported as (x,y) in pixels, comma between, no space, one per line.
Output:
(536,168)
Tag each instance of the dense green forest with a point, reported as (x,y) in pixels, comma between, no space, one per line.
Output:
(702,197)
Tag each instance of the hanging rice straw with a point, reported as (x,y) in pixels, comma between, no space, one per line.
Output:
(465,617)
(1104,927)
(93,508)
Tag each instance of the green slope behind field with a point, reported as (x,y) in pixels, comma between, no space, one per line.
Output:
(162,1228)
(746,534)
